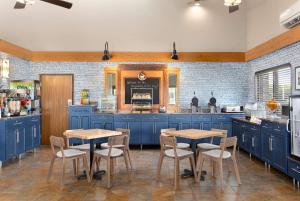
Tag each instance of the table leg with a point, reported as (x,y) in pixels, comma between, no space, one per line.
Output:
(189,173)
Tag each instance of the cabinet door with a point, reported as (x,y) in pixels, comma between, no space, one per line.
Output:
(279,156)
(266,145)
(109,126)
(197,125)
(236,128)
(148,130)
(174,125)
(216,125)
(227,126)
(29,139)
(37,134)
(158,126)
(74,122)
(20,140)
(10,144)
(255,144)
(121,125)
(85,122)
(135,132)
(97,124)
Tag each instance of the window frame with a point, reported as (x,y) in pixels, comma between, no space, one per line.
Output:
(272,69)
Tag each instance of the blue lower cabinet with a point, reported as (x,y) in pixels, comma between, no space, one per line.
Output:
(135,133)
(20,140)
(279,150)
(121,125)
(10,142)
(294,168)
(148,132)
(32,133)
(158,127)
(255,140)
(2,140)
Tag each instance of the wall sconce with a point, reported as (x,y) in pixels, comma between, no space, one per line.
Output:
(174,54)
(106,55)
(4,68)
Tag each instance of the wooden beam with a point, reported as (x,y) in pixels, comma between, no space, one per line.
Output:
(14,50)
(139,57)
(276,43)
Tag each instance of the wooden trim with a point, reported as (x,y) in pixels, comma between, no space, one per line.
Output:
(139,56)
(276,43)
(14,50)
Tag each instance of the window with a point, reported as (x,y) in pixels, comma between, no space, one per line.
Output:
(274,83)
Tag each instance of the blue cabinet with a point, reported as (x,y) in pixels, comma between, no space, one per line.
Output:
(33,133)
(2,140)
(15,137)
(254,140)
(151,128)
(180,122)
(102,121)
(294,168)
(131,122)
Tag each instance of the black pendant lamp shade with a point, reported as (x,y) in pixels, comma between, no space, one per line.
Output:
(174,54)
(106,55)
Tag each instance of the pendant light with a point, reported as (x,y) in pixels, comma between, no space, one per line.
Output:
(174,54)
(106,55)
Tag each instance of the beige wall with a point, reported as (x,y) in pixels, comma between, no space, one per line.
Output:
(263,20)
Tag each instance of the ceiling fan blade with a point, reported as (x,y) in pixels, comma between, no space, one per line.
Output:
(61,3)
(19,5)
(233,8)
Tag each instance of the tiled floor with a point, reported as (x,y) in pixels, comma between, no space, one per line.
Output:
(26,180)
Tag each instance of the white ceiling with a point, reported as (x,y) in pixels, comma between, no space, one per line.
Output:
(128,25)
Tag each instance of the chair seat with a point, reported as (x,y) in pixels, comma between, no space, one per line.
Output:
(70,153)
(180,153)
(81,147)
(181,145)
(105,145)
(114,152)
(208,146)
(216,153)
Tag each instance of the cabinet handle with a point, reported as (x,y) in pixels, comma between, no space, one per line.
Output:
(296,170)
(253,138)
(271,144)
(243,137)
(17,132)
(34,132)
(154,127)
(264,126)
(277,130)
(253,129)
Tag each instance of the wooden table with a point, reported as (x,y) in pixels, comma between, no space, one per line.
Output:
(194,135)
(91,135)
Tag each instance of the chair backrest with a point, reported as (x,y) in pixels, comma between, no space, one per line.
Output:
(215,129)
(223,145)
(68,138)
(230,142)
(168,142)
(125,132)
(116,140)
(57,142)
(163,131)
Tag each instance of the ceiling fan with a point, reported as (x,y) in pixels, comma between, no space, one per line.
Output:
(232,4)
(20,4)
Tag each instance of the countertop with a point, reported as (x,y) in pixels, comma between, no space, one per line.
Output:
(176,113)
(18,117)
(280,120)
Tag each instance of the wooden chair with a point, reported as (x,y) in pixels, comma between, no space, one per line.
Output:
(65,154)
(110,154)
(177,154)
(179,145)
(218,155)
(211,145)
(125,147)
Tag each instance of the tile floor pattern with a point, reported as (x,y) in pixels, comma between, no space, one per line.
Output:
(25,180)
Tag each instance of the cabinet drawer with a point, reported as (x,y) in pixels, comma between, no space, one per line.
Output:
(103,118)
(15,122)
(180,118)
(153,117)
(200,118)
(81,109)
(34,119)
(294,169)
(216,118)
(127,117)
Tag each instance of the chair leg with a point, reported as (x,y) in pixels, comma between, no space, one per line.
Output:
(63,172)
(192,161)
(178,167)
(221,174)
(108,172)
(75,167)
(236,170)
(200,166)
(86,167)
(126,163)
(129,158)
(175,174)
(160,161)
(50,169)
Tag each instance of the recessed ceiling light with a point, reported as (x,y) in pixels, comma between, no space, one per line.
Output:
(195,3)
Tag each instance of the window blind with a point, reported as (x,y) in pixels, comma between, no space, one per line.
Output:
(274,83)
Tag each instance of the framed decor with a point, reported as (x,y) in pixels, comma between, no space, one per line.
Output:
(297,77)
